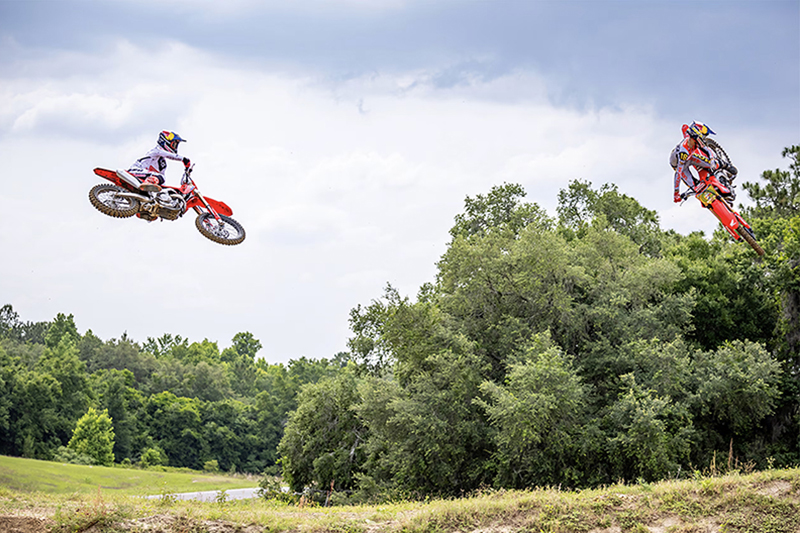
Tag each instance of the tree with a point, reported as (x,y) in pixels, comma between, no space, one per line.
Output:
(501,209)
(62,363)
(115,392)
(163,346)
(733,300)
(240,359)
(9,372)
(62,327)
(738,386)
(579,205)
(649,435)
(245,345)
(94,437)
(175,425)
(780,197)
(11,327)
(320,446)
(538,416)
(425,433)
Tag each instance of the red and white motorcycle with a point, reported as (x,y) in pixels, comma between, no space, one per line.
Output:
(123,198)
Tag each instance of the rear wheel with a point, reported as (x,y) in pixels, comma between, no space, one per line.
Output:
(748,236)
(105,198)
(225,231)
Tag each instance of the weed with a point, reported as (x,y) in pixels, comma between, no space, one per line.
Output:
(82,518)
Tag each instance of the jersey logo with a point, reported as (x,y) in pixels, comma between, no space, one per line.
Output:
(684,156)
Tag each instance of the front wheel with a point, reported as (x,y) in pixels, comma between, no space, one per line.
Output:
(105,198)
(722,155)
(748,236)
(225,231)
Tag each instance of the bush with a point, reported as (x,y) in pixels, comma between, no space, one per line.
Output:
(70,456)
(153,457)
(270,488)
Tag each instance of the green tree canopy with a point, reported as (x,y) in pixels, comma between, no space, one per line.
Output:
(94,437)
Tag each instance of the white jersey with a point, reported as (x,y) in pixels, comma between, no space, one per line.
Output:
(154,162)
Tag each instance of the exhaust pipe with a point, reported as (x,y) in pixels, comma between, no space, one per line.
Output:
(134,195)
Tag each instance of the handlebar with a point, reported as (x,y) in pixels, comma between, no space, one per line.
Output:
(187,174)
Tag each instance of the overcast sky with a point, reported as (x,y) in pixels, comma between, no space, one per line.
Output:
(345,135)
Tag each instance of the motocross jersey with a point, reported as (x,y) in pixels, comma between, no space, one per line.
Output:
(681,159)
(154,163)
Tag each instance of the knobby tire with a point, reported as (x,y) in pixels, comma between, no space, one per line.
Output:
(207,225)
(102,197)
(722,155)
(750,240)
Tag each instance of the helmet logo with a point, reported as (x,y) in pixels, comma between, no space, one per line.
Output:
(698,129)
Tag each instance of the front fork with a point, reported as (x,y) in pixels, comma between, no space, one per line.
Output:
(202,199)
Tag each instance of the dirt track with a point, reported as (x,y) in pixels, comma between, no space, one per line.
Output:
(22,524)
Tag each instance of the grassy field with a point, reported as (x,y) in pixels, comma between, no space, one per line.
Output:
(762,502)
(29,475)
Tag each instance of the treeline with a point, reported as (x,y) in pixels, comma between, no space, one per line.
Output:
(570,351)
(171,402)
(573,350)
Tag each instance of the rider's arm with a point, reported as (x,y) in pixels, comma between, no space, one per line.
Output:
(698,160)
(169,155)
(677,195)
(673,162)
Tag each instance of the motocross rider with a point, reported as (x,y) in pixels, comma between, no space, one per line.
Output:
(693,152)
(150,168)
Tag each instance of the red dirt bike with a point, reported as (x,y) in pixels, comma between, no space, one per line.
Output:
(708,192)
(125,198)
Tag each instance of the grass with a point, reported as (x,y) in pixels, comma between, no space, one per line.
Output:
(29,475)
(761,502)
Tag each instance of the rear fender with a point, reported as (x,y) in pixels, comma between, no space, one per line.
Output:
(118,178)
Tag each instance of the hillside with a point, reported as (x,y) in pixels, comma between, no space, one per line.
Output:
(758,502)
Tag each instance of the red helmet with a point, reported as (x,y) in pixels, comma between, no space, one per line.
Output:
(169,140)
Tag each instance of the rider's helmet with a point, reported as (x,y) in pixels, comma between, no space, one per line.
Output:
(698,130)
(169,140)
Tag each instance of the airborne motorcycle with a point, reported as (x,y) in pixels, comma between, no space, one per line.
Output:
(125,199)
(707,191)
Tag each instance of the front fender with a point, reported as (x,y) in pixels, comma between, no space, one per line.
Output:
(220,207)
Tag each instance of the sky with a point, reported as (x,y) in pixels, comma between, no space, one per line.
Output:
(346,135)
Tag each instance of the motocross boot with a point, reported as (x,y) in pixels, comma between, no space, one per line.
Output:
(150,185)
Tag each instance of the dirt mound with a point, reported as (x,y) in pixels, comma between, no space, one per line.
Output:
(168,524)
(22,524)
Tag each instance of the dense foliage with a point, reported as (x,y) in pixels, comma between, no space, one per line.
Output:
(575,351)
(169,401)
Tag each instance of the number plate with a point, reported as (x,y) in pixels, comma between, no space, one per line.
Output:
(707,196)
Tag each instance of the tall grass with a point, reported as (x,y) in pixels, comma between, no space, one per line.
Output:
(766,501)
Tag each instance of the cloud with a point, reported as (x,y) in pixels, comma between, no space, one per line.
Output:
(342,184)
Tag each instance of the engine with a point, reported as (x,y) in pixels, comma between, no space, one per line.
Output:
(167,204)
